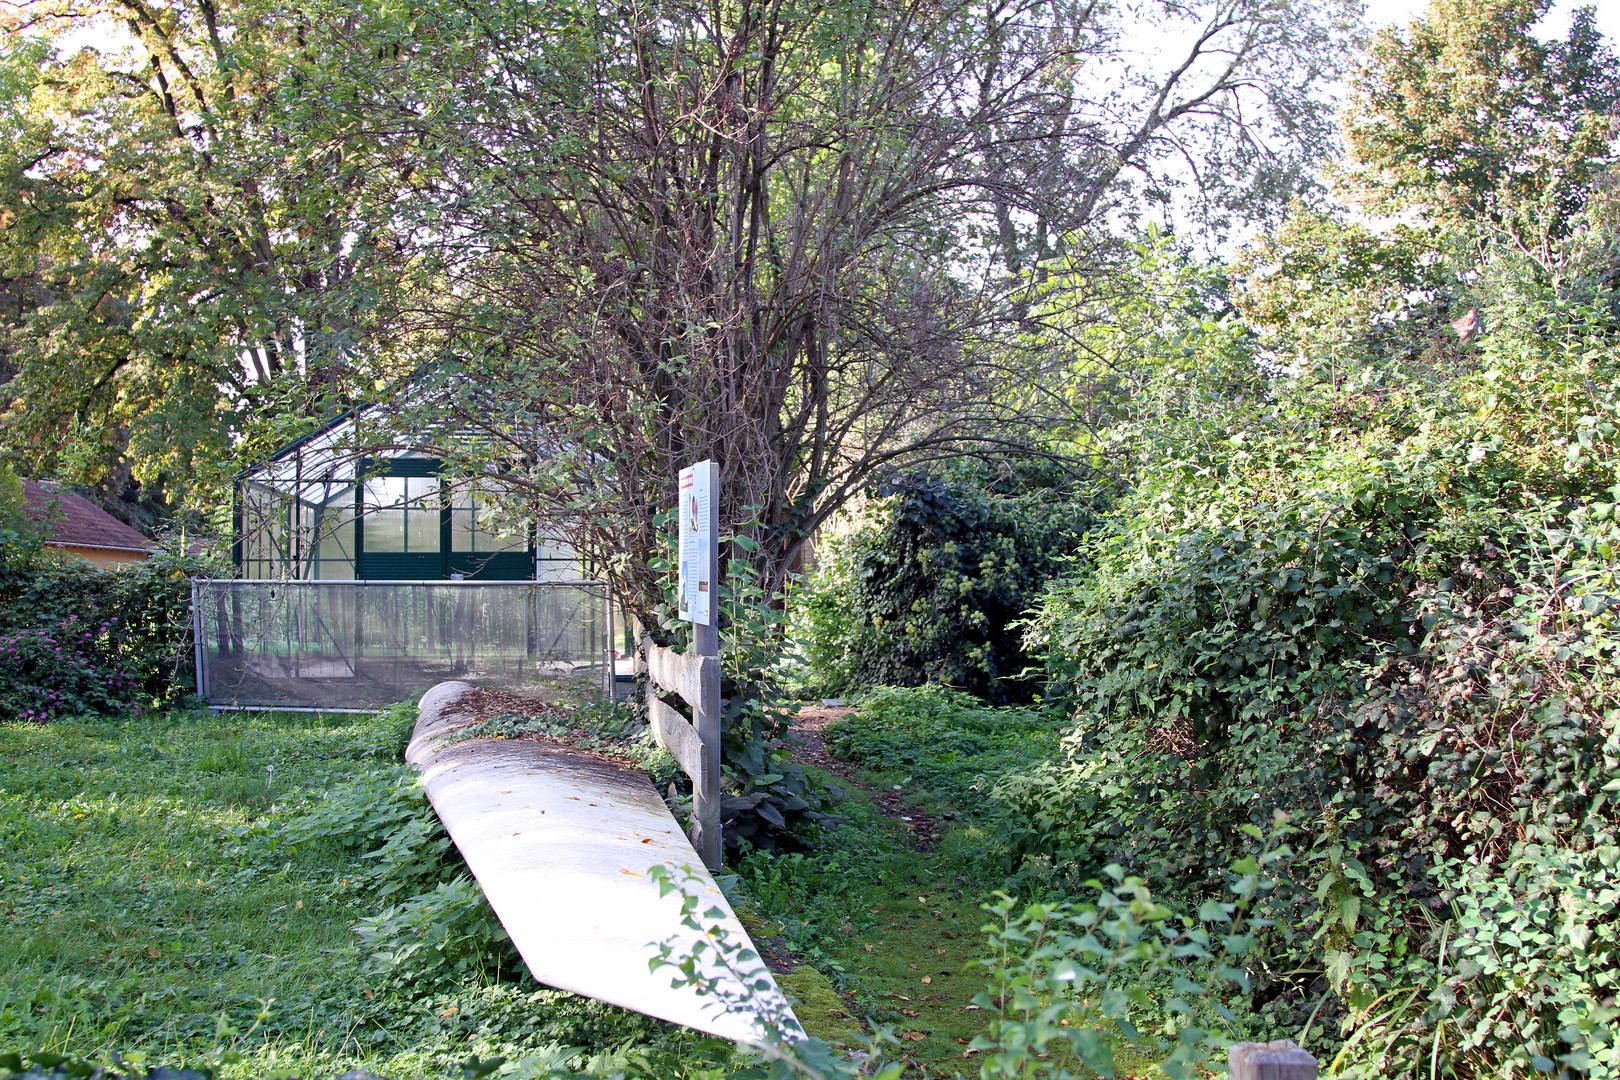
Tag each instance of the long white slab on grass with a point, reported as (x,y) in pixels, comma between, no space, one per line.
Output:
(561,842)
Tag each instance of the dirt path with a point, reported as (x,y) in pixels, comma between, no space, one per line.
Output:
(810,732)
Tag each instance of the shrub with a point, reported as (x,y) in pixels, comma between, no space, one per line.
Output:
(1386,604)
(117,637)
(62,671)
(931,585)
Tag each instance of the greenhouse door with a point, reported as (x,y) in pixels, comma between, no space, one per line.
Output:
(401,522)
(411,529)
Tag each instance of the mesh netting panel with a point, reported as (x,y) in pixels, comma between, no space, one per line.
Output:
(362,645)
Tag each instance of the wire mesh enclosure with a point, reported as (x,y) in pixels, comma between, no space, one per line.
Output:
(366,644)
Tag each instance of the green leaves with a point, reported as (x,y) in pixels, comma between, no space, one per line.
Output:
(1471,118)
(933,585)
(1066,979)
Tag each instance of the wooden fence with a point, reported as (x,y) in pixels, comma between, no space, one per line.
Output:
(696,742)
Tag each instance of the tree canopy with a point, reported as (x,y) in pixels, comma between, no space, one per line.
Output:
(798,238)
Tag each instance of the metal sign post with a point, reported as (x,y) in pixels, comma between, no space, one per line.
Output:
(695,675)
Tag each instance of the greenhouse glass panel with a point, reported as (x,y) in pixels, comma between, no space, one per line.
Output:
(341,505)
(475,526)
(334,533)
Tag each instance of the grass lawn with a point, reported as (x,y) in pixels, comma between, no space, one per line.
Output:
(162,896)
(188,887)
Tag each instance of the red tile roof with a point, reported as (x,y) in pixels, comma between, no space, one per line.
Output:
(78,522)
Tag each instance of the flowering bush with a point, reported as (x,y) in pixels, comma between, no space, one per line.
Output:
(75,639)
(64,670)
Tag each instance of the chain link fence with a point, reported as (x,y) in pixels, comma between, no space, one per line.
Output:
(367,644)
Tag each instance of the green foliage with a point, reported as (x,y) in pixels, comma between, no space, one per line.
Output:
(13,519)
(718,965)
(945,743)
(1523,976)
(439,936)
(931,585)
(1065,980)
(1376,595)
(385,820)
(60,1067)
(76,639)
(1338,296)
(170,298)
(1475,121)
(1065,977)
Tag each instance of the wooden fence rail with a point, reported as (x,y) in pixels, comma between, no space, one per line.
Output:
(696,742)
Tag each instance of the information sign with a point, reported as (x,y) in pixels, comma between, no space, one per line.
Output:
(699,523)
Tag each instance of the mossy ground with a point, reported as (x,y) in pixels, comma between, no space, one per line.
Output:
(899,931)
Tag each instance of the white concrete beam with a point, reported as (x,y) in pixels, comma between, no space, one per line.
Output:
(561,842)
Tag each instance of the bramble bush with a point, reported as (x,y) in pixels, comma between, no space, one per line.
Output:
(1382,599)
(61,671)
(76,639)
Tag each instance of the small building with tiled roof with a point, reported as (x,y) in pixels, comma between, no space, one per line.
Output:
(76,526)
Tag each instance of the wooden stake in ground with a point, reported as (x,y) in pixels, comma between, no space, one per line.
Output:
(1280,1060)
(696,674)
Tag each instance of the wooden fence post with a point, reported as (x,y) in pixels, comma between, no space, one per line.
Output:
(695,744)
(695,674)
(706,789)
(1281,1060)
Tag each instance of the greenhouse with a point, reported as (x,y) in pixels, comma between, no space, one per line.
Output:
(364,576)
(330,508)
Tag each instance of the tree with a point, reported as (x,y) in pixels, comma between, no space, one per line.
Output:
(199,235)
(1476,125)
(799,239)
